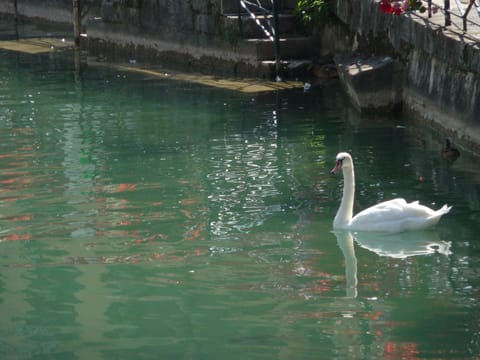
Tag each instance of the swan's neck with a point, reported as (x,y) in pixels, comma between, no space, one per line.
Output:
(345,212)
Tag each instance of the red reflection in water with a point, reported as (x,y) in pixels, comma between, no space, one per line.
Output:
(400,350)
(15,237)
(187,202)
(115,188)
(195,233)
(16,198)
(126,187)
(26,217)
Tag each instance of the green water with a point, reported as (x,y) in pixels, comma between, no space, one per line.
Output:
(142,218)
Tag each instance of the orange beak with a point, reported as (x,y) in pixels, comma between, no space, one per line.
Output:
(337,167)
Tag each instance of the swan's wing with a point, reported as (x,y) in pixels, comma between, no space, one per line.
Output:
(393,215)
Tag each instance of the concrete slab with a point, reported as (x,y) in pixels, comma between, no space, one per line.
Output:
(35,45)
(240,85)
(44,45)
(372,83)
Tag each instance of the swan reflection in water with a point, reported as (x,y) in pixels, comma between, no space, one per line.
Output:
(398,246)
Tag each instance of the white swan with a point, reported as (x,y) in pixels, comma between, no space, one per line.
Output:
(390,216)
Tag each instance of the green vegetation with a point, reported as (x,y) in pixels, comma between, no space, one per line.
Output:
(314,12)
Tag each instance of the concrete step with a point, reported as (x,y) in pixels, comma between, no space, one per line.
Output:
(233,6)
(301,47)
(289,25)
(296,48)
(289,69)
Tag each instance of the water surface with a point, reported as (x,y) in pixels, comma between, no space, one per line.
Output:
(147,218)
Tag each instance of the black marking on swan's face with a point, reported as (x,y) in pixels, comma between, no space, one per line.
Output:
(338,166)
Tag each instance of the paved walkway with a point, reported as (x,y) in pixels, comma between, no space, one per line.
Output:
(473,19)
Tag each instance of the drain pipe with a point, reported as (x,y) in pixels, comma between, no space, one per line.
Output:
(15,8)
(76,21)
(76,15)
(276,40)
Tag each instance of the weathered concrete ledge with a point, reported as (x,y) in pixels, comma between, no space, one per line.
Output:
(117,42)
(373,83)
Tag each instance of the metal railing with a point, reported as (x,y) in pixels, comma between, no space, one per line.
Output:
(266,19)
(464,11)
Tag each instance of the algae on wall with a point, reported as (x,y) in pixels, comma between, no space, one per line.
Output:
(186,20)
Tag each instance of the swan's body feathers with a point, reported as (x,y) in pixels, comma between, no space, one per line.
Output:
(395,215)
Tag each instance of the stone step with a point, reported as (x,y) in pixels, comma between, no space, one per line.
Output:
(301,47)
(289,69)
(294,44)
(233,6)
(289,25)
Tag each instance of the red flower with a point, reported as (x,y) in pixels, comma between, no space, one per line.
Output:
(392,7)
(386,6)
(397,8)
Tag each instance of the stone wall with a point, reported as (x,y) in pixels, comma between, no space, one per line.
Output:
(187,20)
(441,82)
(52,10)
(187,34)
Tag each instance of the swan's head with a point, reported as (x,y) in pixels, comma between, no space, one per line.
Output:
(343,160)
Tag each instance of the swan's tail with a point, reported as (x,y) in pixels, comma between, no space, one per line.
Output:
(435,217)
(445,209)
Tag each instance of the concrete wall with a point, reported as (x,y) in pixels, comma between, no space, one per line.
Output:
(187,20)
(187,34)
(442,76)
(52,10)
